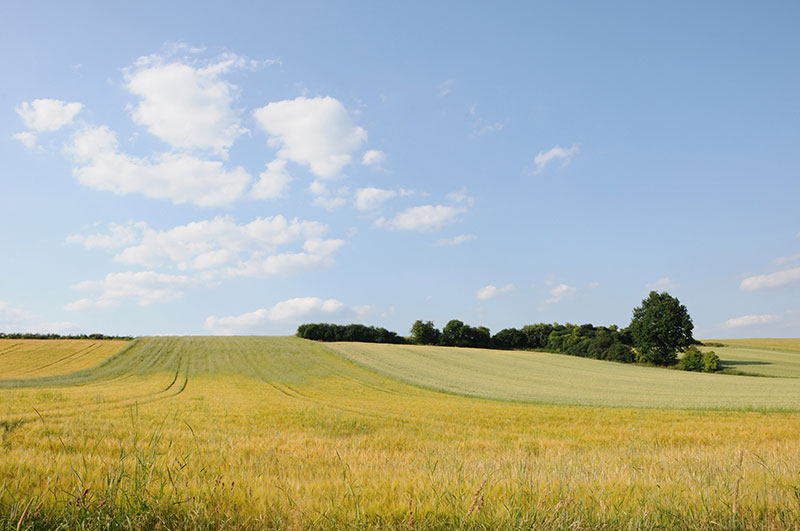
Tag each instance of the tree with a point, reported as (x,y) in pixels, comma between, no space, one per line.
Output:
(424,333)
(660,328)
(453,334)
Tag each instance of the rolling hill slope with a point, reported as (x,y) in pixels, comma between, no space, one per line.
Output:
(559,379)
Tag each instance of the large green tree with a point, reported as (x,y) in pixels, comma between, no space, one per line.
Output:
(660,328)
(424,333)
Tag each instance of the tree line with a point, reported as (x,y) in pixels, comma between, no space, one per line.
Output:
(27,335)
(586,341)
(660,329)
(351,332)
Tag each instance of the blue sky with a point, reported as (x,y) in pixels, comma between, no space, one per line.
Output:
(209,169)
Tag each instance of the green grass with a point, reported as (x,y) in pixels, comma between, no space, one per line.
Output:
(559,379)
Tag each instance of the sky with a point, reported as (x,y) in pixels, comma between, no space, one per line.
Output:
(200,168)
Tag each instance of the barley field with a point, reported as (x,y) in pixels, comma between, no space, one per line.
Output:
(28,358)
(266,432)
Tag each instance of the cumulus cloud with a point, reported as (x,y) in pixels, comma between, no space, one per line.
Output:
(222,247)
(315,132)
(180,178)
(422,218)
(27,138)
(559,292)
(749,320)
(490,291)
(372,198)
(117,236)
(288,310)
(273,181)
(662,284)
(304,306)
(325,198)
(144,287)
(543,158)
(186,106)
(316,255)
(456,240)
(373,157)
(779,279)
(48,115)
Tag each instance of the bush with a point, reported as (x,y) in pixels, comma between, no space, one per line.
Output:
(710,361)
(694,360)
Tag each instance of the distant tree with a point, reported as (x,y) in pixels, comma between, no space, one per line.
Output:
(660,328)
(537,334)
(476,336)
(510,338)
(424,333)
(453,334)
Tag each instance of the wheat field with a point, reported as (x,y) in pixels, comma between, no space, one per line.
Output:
(29,358)
(258,432)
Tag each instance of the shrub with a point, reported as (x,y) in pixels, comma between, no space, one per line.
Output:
(692,360)
(710,361)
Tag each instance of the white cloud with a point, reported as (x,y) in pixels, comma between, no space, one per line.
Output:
(543,158)
(445,87)
(422,218)
(325,198)
(11,316)
(330,203)
(48,115)
(317,254)
(27,138)
(662,284)
(118,236)
(461,197)
(749,320)
(187,107)
(144,287)
(316,132)
(236,323)
(783,260)
(593,285)
(779,279)
(273,181)
(456,240)
(180,178)
(13,319)
(480,128)
(559,292)
(490,292)
(373,157)
(292,309)
(372,198)
(302,307)
(221,246)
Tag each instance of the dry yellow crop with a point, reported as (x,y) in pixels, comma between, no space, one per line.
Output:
(29,358)
(285,433)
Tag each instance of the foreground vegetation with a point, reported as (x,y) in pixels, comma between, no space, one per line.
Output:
(286,433)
